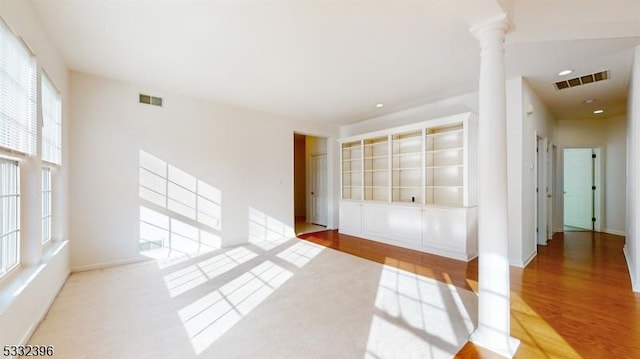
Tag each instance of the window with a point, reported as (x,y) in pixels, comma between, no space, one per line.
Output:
(51,122)
(46,204)
(18,120)
(9,215)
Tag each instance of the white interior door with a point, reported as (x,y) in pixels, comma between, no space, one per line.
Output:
(318,189)
(578,182)
(541,191)
(550,176)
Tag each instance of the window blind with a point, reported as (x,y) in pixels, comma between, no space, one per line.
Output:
(18,119)
(51,122)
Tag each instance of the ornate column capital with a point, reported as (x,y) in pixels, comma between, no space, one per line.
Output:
(499,25)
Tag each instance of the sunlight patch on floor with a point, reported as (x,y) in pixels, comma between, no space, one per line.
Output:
(418,317)
(185,279)
(300,253)
(210,317)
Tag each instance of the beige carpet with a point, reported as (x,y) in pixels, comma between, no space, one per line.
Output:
(286,299)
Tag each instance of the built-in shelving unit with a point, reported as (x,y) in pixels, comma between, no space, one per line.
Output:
(407,167)
(352,170)
(376,169)
(413,186)
(444,168)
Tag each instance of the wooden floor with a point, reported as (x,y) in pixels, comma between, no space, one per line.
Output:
(574,300)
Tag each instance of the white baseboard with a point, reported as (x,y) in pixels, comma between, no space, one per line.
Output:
(522,264)
(615,232)
(634,281)
(108,264)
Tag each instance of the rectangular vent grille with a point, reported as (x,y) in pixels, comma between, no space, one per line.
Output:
(582,80)
(150,100)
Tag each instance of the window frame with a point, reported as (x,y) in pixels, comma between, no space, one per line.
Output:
(51,136)
(47,196)
(6,270)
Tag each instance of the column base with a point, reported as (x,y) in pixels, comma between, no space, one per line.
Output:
(495,341)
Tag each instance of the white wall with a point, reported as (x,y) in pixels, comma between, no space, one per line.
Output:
(246,155)
(608,133)
(26,296)
(515,115)
(527,117)
(632,246)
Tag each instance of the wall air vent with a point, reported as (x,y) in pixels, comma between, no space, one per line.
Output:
(582,80)
(150,100)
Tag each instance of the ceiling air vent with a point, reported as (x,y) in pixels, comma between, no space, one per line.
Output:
(150,100)
(582,80)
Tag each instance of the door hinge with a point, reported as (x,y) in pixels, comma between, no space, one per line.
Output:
(593,188)
(593,219)
(593,155)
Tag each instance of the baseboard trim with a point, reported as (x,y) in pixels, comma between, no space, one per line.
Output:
(522,264)
(634,281)
(615,232)
(108,264)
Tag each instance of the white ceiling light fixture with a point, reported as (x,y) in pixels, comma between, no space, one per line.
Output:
(380,105)
(597,112)
(564,72)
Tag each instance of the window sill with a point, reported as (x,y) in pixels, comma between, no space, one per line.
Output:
(17,282)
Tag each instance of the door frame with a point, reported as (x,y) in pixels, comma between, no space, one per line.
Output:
(598,199)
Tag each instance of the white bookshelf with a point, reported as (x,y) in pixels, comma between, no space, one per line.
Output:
(407,167)
(376,169)
(413,186)
(444,167)
(352,170)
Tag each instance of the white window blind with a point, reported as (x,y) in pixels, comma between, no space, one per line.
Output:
(51,123)
(9,215)
(18,119)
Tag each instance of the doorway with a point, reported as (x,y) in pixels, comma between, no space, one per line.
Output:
(581,182)
(310,183)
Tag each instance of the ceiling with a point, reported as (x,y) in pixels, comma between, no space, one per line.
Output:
(332,61)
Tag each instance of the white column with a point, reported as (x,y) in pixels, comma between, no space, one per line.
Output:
(493,245)
(30,211)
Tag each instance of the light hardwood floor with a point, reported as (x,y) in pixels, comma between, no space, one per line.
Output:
(573,300)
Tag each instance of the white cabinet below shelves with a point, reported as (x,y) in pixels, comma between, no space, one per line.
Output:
(450,230)
(404,223)
(350,218)
(444,231)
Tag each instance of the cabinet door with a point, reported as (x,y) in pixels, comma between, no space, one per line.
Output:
(375,219)
(350,218)
(445,228)
(406,224)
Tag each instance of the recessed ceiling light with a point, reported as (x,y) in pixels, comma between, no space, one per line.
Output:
(564,72)
(598,111)
(379,105)
(589,100)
